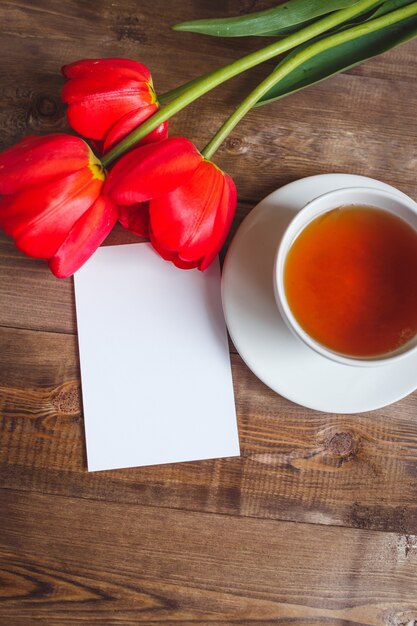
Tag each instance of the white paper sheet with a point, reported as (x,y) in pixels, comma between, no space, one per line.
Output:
(155,365)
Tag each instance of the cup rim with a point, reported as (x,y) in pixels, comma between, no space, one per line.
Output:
(301,220)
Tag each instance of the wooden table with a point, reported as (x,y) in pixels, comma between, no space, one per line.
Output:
(316,523)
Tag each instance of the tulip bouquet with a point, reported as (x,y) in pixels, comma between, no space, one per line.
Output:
(62,194)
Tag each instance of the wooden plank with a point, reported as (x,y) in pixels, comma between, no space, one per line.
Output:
(343,124)
(296,464)
(70,561)
(141,28)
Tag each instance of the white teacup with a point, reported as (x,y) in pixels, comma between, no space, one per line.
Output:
(400,205)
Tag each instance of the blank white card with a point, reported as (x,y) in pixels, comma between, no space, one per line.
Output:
(155,365)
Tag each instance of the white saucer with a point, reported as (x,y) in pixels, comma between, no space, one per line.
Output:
(260,335)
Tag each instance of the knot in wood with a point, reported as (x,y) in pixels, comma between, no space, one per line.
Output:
(46,106)
(234,145)
(392,618)
(46,113)
(67,399)
(341,444)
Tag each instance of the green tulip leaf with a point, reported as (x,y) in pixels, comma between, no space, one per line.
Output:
(279,20)
(365,16)
(341,57)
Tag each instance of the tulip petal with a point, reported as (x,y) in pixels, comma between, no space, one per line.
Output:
(38,160)
(85,237)
(135,218)
(191,223)
(169,255)
(157,134)
(132,120)
(39,220)
(92,89)
(183,220)
(107,69)
(224,218)
(94,108)
(152,170)
(185,265)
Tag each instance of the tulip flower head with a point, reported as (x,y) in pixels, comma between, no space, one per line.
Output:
(189,225)
(108,98)
(52,202)
(182,201)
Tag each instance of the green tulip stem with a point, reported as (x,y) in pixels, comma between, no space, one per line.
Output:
(210,81)
(298,59)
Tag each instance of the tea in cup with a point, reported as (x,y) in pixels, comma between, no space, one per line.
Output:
(345,276)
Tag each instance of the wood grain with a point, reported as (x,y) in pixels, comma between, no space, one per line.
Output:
(68,561)
(296,464)
(210,542)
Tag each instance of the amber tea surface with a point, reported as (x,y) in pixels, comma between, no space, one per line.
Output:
(350,279)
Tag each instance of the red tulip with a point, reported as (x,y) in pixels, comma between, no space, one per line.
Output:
(185,203)
(108,98)
(52,202)
(189,225)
